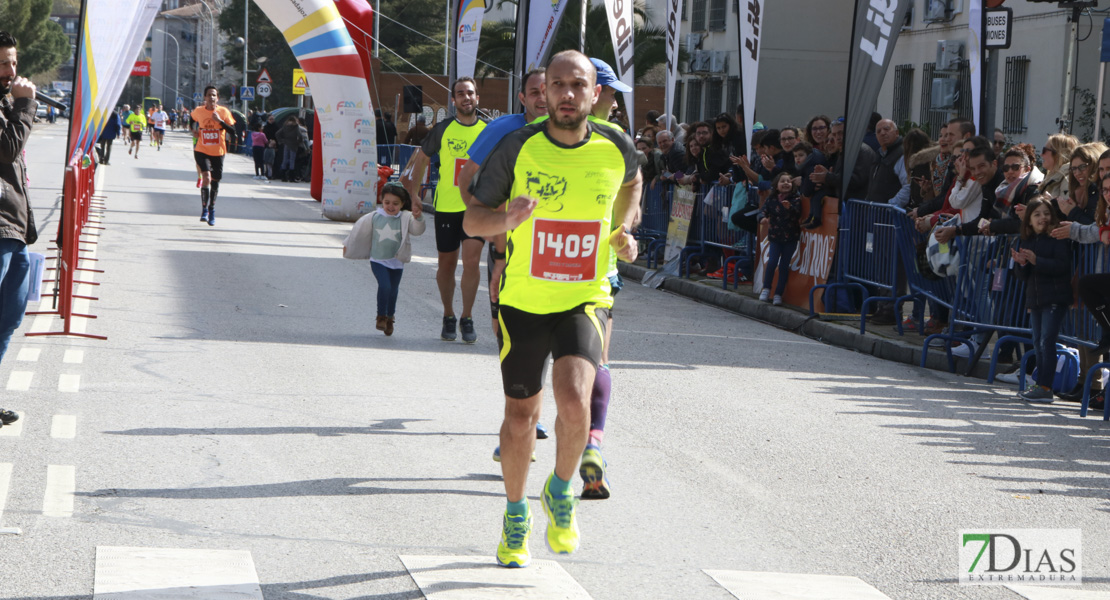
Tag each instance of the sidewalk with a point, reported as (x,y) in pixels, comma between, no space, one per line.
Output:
(880,341)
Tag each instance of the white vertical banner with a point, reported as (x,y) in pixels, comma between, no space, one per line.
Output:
(620,28)
(751,31)
(543,20)
(471,13)
(975,59)
(674,15)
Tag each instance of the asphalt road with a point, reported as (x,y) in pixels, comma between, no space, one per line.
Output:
(243,401)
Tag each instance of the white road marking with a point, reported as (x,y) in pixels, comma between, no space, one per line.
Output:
(29,354)
(144,573)
(5,480)
(74,357)
(61,482)
(753,585)
(1038,592)
(69,382)
(64,427)
(721,337)
(20,381)
(479,578)
(15,429)
(41,323)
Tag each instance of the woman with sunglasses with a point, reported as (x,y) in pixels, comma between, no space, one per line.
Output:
(1056,157)
(1078,204)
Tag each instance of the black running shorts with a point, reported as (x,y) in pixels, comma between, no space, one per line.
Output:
(449,231)
(136,136)
(212,164)
(527,339)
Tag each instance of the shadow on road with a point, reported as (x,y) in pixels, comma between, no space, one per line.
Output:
(992,433)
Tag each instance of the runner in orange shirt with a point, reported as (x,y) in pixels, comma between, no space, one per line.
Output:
(210,122)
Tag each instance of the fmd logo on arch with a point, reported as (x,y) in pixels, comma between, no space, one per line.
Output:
(1022,556)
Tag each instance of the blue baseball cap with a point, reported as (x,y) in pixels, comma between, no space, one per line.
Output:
(606,76)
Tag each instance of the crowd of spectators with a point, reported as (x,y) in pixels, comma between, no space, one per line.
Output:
(952,183)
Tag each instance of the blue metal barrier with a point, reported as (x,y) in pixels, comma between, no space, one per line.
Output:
(655,216)
(395,155)
(712,216)
(922,286)
(1079,327)
(988,298)
(867,253)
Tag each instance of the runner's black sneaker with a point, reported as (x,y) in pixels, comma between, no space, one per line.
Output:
(448,334)
(467,326)
(8,417)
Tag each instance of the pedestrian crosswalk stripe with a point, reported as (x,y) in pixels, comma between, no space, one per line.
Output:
(754,585)
(20,381)
(69,383)
(5,480)
(74,357)
(41,324)
(15,429)
(143,573)
(1042,592)
(60,485)
(28,354)
(479,578)
(64,427)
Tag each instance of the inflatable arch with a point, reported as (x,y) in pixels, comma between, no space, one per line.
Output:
(346,176)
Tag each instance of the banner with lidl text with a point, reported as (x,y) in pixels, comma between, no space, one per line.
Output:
(471,13)
(877,24)
(751,43)
(620,30)
(102,65)
(319,39)
(674,27)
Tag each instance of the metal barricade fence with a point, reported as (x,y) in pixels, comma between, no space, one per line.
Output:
(712,225)
(395,155)
(922,286)
(655,215)
(867,253)
(1079,327)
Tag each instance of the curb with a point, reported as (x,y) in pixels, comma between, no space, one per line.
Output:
(792,319)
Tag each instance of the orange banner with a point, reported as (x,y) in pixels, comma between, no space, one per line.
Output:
(812,261)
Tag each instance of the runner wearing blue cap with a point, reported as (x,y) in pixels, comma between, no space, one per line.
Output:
(595,481)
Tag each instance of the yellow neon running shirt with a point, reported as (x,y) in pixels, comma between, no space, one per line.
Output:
(559,257)
(451,140)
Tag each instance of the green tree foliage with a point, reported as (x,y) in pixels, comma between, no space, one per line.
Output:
(414,30)
(43,45)
(264,40)
(499,39)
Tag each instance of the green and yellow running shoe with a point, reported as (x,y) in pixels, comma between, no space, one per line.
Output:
(562,527)
(512,552)
(595,483)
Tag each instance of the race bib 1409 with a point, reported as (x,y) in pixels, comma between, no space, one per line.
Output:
(564,250)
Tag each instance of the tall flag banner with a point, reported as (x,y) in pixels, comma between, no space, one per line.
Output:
(102,65)
(471,13)
(674,26)
(751,31)
(874,33)
(543,20)
(319,39)
(975,59)
(620,28)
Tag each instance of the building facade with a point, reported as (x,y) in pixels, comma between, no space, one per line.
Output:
(1028,86)
(803,63)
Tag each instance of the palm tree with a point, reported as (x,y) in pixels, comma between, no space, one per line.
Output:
(499,39)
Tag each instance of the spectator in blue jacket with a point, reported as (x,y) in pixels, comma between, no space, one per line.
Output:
(104,143)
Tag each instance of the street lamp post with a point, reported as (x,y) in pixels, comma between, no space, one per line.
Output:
(246,29)
(211,40)
(176,68)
